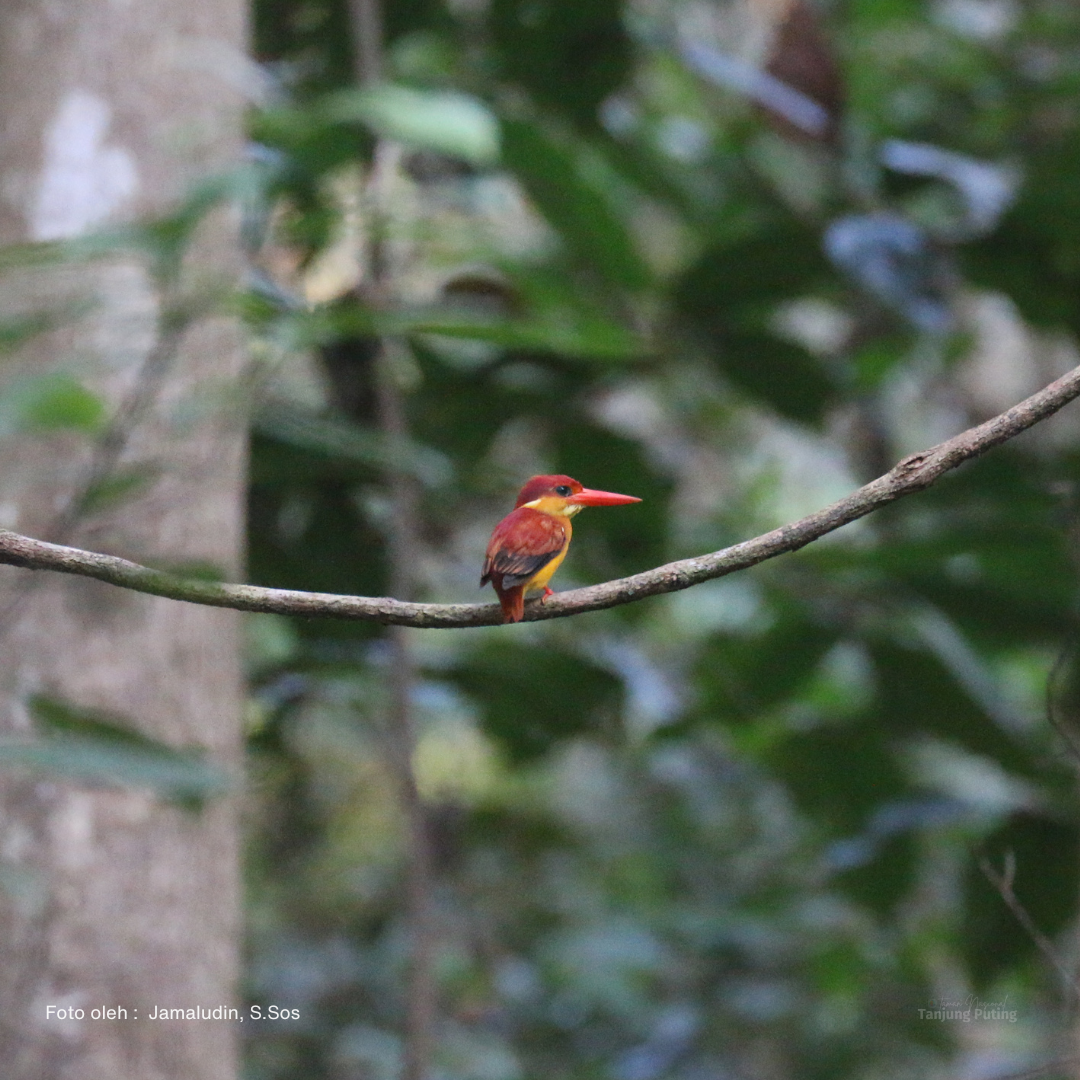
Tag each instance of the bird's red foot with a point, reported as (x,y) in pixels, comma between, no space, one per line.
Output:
(547,592)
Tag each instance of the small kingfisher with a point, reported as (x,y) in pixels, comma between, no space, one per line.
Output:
(529,544)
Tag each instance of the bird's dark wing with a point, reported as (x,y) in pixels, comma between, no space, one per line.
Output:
(523,543)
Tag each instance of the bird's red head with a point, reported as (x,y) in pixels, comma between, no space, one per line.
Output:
(558,492)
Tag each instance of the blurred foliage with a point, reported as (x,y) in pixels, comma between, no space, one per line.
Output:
(740,830)
(735,831)
(105,750)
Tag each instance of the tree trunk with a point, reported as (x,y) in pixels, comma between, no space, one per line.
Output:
(112,898)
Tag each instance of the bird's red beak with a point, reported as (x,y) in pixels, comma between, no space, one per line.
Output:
(588,497)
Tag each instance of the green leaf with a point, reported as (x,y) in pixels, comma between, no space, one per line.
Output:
(577,206)
(570,328)
(589,340)
(449,123)
(337,438)
(554,315)
(87,746)
(64,403)
(16,329)
(53,402)
(120,484)
(872,363)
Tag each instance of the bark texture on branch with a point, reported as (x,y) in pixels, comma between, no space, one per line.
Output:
(915,473)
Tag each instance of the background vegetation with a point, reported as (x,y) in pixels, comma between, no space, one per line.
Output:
(744,830)
(764,827)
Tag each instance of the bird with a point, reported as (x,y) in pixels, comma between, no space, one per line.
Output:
(529,544)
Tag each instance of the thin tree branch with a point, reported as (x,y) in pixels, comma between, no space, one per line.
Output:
(401,735)
(109,447)
(1003,883)
(1057,722)
(420,1007)
(367,36)
(402,556)
(915,473)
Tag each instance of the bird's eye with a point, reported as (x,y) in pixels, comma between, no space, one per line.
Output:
(562,490)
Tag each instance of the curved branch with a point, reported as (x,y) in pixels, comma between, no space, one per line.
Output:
(915,473)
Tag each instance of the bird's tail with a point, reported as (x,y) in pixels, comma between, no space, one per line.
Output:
(512,602)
